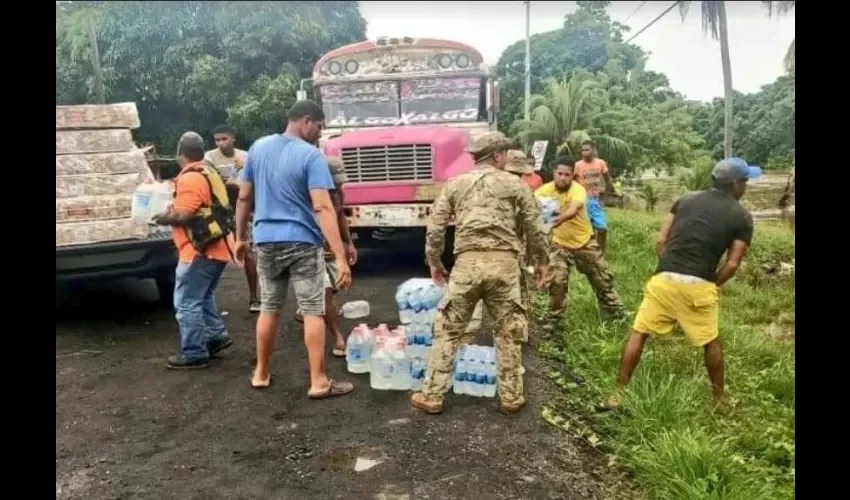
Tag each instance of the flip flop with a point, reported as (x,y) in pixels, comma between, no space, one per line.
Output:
(339,353)
(260,387)
(334,389)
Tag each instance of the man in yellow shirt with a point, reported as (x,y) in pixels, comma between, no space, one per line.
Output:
(574,245)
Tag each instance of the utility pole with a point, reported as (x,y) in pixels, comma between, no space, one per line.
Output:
(95,62)
(527,59)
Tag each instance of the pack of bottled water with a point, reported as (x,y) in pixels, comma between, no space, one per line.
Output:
(475,371)
(417,300)
(550,209)
(389,366)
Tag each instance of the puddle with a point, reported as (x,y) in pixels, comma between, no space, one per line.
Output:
(358,459)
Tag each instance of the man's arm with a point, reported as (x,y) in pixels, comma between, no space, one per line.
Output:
(435,236)
(664,233)
(320,183)
(736,251)
(338,199)
(609,183)
(571,211)
(531,220)
(326,215)
(188,199)
(245,200)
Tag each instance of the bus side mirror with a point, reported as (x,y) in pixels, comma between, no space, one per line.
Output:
(494,96)
(301,95)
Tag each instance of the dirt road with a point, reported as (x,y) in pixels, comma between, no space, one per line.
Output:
(128,428)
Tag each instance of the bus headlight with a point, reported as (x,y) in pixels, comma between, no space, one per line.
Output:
(445,61)
(462,61)
(351,67)
(334,68)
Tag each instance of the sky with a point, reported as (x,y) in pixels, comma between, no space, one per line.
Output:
(679,49)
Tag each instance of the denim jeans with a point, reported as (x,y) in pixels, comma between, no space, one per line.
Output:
(194,304)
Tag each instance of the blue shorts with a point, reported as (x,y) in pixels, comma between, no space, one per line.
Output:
(596,214)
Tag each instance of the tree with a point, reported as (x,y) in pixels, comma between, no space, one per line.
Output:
(192,65)
(587,41)
(562,116)
(784,7)
(714,22)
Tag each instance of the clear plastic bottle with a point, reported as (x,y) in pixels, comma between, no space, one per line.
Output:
(358,350)
(490,371)
(404,310)
(356,309)
(460,371)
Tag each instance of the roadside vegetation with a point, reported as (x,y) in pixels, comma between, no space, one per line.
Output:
(668,433)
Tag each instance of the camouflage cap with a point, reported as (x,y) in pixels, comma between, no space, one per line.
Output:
(337,170)
(489,143)
(517,163)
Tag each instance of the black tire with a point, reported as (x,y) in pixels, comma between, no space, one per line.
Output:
(165,287)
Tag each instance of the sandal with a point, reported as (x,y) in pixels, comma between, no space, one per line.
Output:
(335,388)
(337,352)
(261,387)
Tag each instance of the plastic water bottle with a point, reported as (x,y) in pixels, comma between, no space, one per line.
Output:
(460,374)
(404,310)
(355,310)
(380,368)
(358,350)
(417,373)
(490,370)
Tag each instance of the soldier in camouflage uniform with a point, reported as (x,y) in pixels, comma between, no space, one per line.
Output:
(517,164)
(486,204)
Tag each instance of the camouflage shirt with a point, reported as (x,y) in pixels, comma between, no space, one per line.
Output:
(492,210)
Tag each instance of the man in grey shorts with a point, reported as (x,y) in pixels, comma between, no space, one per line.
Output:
(288,181)
(331,310)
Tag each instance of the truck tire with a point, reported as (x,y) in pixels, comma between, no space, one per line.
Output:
(165,287)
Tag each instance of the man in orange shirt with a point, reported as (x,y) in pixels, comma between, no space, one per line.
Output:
(531,179)
(202,330)
(592,173)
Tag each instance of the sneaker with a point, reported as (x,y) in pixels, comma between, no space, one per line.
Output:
(217,345)
(254,306)
(419,402)
(179,362)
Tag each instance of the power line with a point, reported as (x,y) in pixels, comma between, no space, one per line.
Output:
(653,21)
(634,12)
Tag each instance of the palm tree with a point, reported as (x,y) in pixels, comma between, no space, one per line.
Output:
(562,116)
(784,7)
(714,21)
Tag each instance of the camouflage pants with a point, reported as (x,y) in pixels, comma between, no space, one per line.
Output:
(491,277)
(526,280)
(591,263)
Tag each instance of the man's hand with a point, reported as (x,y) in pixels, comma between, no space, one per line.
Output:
(161,218)
(240,252)
(560,219)
(343,276)
(541,276)
(438,275)
(351,253)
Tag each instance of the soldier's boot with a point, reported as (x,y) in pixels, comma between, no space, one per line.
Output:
(421,402)
(510,409)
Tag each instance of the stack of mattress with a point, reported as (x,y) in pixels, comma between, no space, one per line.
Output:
(98,167)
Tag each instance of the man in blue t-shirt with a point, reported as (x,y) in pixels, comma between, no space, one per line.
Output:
(288,182)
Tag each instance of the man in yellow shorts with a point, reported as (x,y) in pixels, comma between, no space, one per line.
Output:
(699,229)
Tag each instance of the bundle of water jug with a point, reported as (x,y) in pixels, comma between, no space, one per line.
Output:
(550,209)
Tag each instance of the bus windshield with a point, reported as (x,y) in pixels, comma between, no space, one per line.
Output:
(421,100)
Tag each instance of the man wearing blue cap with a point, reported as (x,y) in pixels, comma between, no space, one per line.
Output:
(699,229)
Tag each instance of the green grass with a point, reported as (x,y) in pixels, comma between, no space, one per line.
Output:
(668,434)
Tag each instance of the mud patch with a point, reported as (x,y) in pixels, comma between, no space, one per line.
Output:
(357,459)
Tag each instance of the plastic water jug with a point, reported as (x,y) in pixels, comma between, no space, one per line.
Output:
(358,348)
(356,309)
(162,196)
(388,369)
(140,210)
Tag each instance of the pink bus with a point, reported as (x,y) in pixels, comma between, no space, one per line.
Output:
(399,112)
